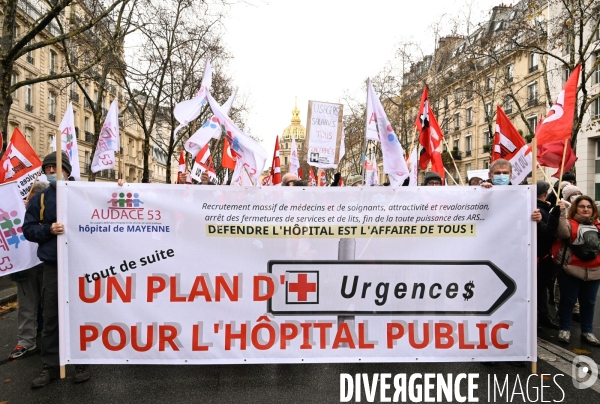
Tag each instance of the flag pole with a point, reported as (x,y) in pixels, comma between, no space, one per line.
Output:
(364,154)
(449,175)
(58,139)
(32,185)
(547,179)
(453,162)
(534,261)
(249,176)
(562,168)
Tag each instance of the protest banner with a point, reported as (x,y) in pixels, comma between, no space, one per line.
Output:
(208,275)
(16,253)
(324,129)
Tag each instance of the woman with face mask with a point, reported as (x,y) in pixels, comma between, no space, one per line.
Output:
(569,194)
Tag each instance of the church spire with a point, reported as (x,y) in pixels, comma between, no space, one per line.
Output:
(295,112)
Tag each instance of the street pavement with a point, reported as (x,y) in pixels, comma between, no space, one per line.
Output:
(298,383)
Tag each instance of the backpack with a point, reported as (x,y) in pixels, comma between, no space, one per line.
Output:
(584,242)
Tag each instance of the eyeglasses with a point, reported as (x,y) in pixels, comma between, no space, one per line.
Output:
(584,207)
(434,183)
(50,167)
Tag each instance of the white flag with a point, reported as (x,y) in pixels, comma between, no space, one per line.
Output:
(186,111)
(210,130)
(240,176)
(294,161)
(248,151)
(343,145)
(393,154)
(108,141)
(371,122)
(69,141)
(371,172)
(16,253)
(414,166)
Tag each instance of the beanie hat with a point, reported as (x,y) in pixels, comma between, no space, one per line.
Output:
(569,190)
(354,179)
(568,177)
(542,188)
(430,176)
(51,159)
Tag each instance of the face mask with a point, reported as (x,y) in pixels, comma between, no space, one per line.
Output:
(501,179)
(52,179)
(572,199)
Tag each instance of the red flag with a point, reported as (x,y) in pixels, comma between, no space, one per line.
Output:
(312,181)
(321,181)
(300,172)
(558,124)
(19,158)
(181,166)
(276,166)
(507,140)
(227,161)
(341,183)
(550,155)
(430,137)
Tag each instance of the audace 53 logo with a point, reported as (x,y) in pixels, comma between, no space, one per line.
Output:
(125,206)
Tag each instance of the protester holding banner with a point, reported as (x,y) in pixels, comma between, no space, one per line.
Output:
(40,226)
(29,289)
(576,252)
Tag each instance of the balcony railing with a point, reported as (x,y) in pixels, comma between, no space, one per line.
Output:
(532,102)
(74,96)
(52,72)
(75,61)
(30,59)
(52,117)
(510,79)
(487,148)
(76,132)
(89,137)
(456,127)
(508,110)
(28,107)
(457,155)
(110,174)
(468,153)
(469,123)
(87,104)
(120,122)
(533,68)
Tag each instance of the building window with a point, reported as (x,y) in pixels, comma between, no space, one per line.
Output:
(456,144)
(597,70)
(286,160)
(469,116)
(86,124)
(486,138)
(458,95)
(446,102)
(532,121)
(29,96)
(53,63)
(468,166)
(87,158)
(13,80)
(486,165)
(533,62)
(488,110)
(456,121)
(596,109)
(469,90)
(532,94)
(510,72)
(52,106)
(508,104)
(468,145)
(488,83)
(30,55)
(29,135)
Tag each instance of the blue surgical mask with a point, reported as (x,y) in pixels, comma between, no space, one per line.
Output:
(52,179)
(501,179)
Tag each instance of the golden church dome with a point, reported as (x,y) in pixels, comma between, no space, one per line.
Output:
(296,129)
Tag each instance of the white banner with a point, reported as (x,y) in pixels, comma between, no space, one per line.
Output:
(324,129)
(16,253)
(164,274)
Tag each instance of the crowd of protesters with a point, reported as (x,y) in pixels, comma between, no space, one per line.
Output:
(568,244)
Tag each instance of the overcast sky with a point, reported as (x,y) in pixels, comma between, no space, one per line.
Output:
(318,49)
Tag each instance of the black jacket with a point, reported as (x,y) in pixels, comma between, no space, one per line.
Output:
(546,229)
(37,232)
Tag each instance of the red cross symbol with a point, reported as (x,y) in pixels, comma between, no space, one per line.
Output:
(303,287)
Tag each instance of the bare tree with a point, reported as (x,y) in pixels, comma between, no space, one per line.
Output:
(41,16)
